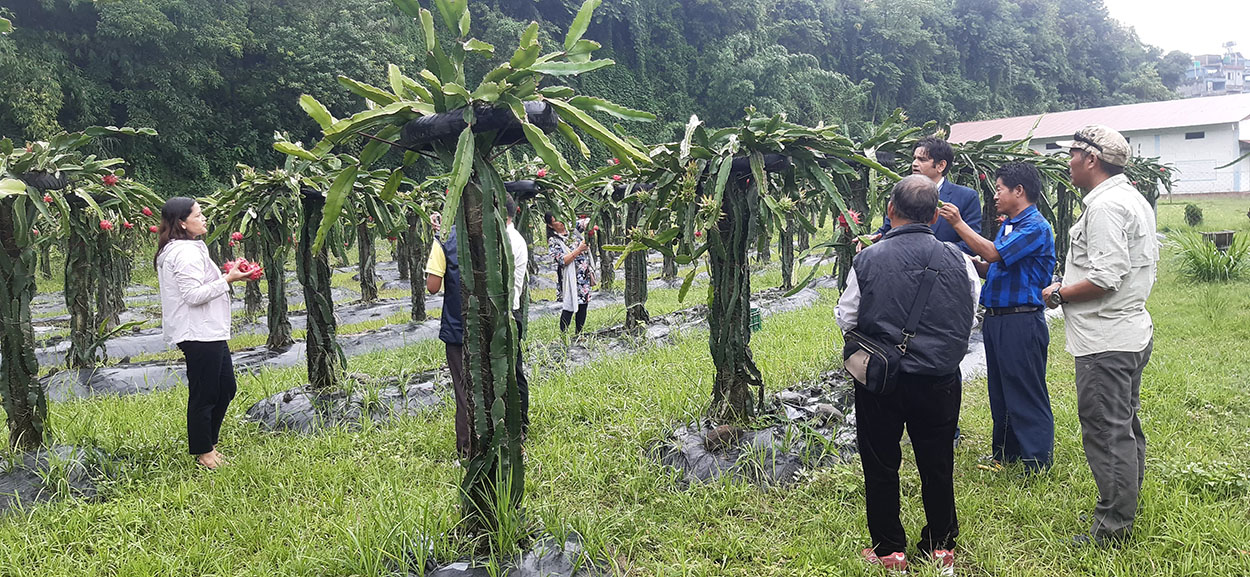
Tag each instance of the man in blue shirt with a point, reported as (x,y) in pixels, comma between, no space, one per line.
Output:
(1016,266)
(933,158)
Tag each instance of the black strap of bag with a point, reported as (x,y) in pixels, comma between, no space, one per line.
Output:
(928,278)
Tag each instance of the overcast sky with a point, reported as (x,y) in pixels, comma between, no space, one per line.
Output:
(1193,26)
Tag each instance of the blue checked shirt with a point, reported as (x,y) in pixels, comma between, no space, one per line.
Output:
(1026,244)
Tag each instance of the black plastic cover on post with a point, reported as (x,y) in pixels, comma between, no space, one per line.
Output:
(448,125)
(521,190)
(44,180)
(772,163)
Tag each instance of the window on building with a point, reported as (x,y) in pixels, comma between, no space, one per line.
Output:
(1052,146)
(1195,135)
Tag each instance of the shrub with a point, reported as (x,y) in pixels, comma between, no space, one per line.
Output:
(1193,215)
(1199,260)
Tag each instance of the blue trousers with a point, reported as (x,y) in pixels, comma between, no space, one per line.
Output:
(1015,351)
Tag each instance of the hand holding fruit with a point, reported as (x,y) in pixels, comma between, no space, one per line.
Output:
(241,269)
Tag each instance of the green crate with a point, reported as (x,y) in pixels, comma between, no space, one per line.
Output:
(756,322)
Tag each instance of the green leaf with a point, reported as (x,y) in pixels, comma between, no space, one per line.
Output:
(395,78)
(409,7)
(722,180)
(475,45)
(368,91)
(546,150)
(453,89)
(427,28)
(877,167)
(378,146)
(392,185)
(80,193)
(567,132)
(461,170)
(556,91)
(685,285)
(401,111)
(488,92)
(317,111)
(569,68)
(292,149)
(524,57)
(580,119)
(580,23)
(584,48)
(757,172)
(831,190)
(591,104)
(10,186)
(336,196)
(447,10)
(465,16)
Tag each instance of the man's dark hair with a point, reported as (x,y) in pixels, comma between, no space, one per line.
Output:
(1015,174)
(915,198)
(510,205)
(938,149)
(1110,169)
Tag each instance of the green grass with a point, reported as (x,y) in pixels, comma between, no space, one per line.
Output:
(1219,213)
(345,503)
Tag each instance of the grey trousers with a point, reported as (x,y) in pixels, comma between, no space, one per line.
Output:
(1108,389)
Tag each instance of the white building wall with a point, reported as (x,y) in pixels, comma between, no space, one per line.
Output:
(1194,158)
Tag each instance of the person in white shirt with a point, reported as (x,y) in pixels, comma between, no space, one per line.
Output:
(520,267)
(195,308)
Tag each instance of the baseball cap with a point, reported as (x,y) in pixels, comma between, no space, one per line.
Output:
(1102,142)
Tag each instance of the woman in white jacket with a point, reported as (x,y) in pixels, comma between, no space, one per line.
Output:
(195,304)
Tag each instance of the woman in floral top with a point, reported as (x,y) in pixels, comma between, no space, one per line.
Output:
(572,271)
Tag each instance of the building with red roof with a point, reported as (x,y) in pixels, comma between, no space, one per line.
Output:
(1196,135)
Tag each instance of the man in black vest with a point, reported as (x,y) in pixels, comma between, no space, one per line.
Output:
(881,287)
(442,271)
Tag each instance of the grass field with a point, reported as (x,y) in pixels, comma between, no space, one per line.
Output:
(357,502)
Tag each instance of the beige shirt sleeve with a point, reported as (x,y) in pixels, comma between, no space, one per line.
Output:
(1106,243)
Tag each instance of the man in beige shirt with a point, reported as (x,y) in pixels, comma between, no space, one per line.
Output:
(1109,273)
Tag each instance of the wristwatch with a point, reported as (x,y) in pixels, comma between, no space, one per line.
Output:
(1056,298)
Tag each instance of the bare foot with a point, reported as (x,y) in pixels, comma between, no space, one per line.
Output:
(208,460)
(221,459)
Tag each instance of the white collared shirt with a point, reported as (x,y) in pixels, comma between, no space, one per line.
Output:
(521,261)
(1114,247)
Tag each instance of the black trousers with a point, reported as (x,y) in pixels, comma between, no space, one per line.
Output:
(566,316)
(460,388)
(211,386)
(929,407)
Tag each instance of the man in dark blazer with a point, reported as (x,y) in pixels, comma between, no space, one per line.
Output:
(933,158)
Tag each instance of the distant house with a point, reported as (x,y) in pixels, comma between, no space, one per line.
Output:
(1217,74)
(1195,135)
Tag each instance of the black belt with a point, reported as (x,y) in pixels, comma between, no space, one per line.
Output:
(995,312)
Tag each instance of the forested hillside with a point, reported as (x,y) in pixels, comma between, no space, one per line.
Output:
(216,78)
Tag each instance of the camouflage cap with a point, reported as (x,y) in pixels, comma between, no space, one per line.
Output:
(1102,142)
